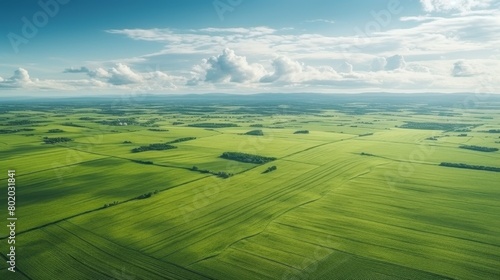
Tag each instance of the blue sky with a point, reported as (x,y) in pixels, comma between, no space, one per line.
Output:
(74,47)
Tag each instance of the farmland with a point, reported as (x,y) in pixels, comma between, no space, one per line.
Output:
(330,187)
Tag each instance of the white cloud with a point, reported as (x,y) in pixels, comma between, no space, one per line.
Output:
(285,69)
(19,79)
(227,67)
(121,74)
(453,5)
(99,73)
(419,18)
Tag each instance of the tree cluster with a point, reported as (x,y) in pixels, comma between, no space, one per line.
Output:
(435,126)
(248,158)
(256,132)
(142,161)
(478,148)
(301,132)
(153,147)
(213,125)
(469,166)
(221,174)
(148,195)
(9,131)
(270,169)
(56,140)
(184,139)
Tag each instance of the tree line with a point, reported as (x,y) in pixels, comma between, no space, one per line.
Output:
(469,166)
(248,158)
(478,148)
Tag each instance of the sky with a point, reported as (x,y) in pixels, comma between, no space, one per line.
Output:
(90,47)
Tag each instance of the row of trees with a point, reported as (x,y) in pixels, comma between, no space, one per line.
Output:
(248,158)
(159,146)
(184,139)
(213,125)
(142,161)
(148,195)
(435,126)
(366,134)
(478,148)
(256,132)
(153,147)
(221,174)
(301,132)
(56,140)
(9,131)
(469,166)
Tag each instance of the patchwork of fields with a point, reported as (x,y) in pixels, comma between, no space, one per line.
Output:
(360,195)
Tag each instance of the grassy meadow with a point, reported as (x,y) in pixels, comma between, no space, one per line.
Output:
(358,190)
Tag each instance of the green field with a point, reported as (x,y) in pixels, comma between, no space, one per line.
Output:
(361,196)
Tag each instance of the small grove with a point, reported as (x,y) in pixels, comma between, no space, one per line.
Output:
(469,166)
(248,158)
(478,148)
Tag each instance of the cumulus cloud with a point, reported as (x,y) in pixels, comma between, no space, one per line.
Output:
(284,69)
(287,70)
(121,74)
(391,63)
(99,73)
(453,5)
(462,69)
(227,67)
(20,79)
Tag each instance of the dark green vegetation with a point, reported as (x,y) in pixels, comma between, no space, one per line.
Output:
(56,140)
(55,130)
(213,125)
(184,139)
(153,147)
(478,148)
(468,166)
(257,132)
(301,132)
(436,126)
(325,205)
(270,169)
(246,157)
(9,131)
(221,174)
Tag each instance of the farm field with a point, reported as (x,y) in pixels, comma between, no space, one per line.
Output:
(334,188)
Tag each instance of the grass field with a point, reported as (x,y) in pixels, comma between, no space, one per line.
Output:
(361,196)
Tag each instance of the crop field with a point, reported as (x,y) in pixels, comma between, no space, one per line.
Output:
(288,189)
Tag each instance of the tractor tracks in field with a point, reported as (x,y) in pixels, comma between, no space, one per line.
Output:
(97,209)
(128,159)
